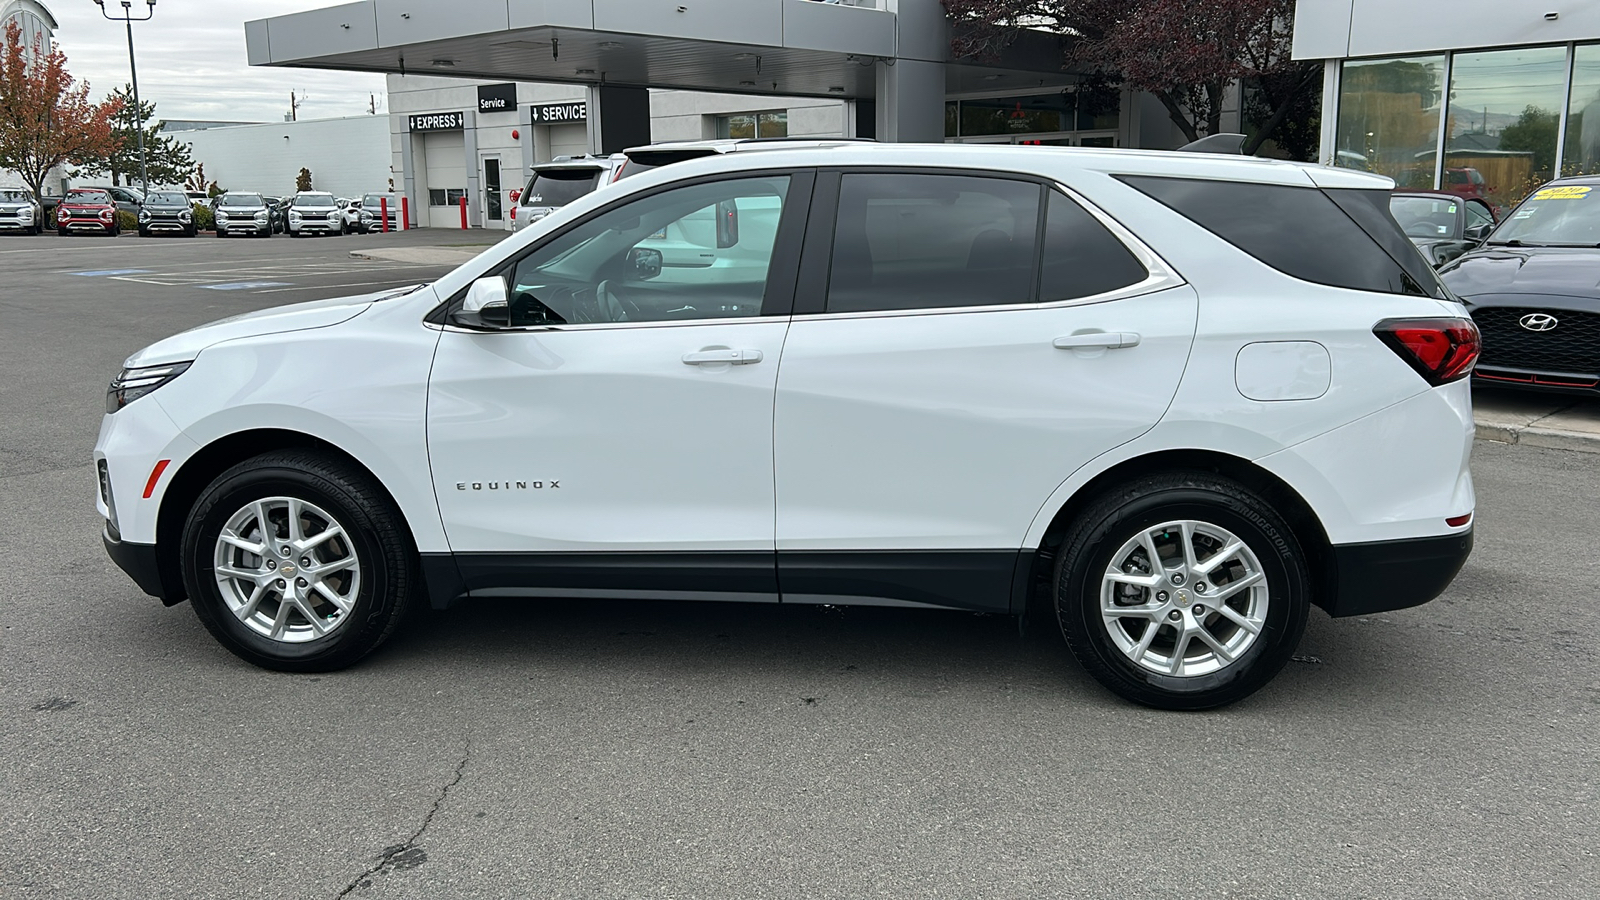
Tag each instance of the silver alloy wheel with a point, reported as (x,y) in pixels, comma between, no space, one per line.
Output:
(1184,598)
(287,569)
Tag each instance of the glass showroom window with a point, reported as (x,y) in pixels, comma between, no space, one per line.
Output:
(1052,113)
(1389,117)
(754,125)
(1505,107)
(1581,155)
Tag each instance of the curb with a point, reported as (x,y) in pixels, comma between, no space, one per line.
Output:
(1549,438)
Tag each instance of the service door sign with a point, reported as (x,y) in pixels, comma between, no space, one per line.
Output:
(450,121)
(558,113)
(493,98)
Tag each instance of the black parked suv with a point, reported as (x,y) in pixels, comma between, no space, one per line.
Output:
(167,212)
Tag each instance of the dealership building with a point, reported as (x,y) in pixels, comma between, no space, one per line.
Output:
(480,90)
(1481,97)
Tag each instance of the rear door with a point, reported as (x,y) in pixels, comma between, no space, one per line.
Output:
(939,382)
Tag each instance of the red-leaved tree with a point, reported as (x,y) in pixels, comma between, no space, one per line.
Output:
(46,118)
(1184,52)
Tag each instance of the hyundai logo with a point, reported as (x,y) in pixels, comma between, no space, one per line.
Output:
(1538,321)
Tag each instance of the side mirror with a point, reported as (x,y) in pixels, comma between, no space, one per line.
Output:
(644,263)
(1478,233)
(486,307)
(727,224)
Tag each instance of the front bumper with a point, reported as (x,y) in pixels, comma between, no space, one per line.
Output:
(1580,383)
(321,226)
(158,224)
(17,223)
(96,224)
(1388,575)
(142,564)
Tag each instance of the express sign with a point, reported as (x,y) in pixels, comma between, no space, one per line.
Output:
(450,121)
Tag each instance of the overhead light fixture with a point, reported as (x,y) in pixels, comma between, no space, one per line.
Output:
(991,78)
(747,84)
(836,90)
(610,45)
(444,63)
(585,72)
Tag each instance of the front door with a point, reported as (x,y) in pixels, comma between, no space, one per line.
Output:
(618,436)
(940,382)
(493,199)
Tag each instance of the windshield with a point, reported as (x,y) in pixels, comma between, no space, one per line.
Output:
(1563,214)
(313,199)
(375,200)
(13,197)
(558,187)
(89,197)
(242,200)
(167,198)
(644,160)
(1427,217)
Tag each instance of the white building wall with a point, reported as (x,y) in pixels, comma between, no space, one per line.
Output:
(1336,29)
(346,156)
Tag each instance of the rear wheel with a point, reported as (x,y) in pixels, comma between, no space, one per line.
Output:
(1182,591)
(298,562)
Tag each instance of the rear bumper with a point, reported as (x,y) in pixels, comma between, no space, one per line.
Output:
(142,565)
(1388,575)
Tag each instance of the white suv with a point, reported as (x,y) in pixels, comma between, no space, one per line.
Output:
(1174,399)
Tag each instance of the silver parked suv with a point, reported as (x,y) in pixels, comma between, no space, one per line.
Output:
(20,211)
(556,183)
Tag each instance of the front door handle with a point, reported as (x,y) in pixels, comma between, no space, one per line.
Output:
(1097,340)
(722,358)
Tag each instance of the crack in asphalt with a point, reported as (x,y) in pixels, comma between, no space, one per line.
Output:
(408,855)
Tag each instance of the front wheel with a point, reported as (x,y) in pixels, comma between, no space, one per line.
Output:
(298,562)
(1182,591)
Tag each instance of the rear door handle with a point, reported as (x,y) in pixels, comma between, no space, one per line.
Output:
(1097,340)
(722,358)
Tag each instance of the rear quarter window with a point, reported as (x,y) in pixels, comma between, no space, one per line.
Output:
(1338,238)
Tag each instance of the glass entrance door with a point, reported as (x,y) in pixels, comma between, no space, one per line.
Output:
(493,200)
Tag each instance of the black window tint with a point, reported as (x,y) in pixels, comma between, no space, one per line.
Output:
(1370,210)
(932,241)
(558,187)
(1299,231)
(1082,258)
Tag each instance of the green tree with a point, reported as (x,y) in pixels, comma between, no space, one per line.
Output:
(1534,131)
(302,182)
(169,159)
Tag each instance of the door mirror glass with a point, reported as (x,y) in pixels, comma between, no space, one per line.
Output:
(644,263)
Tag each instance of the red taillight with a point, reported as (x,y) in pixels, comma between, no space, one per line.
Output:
(1458,521)
(1441,350)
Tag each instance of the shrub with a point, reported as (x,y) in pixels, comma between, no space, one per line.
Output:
(204,219)
(127,221)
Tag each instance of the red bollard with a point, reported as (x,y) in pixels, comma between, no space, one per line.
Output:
(463,214)
(383,208)
(405,213)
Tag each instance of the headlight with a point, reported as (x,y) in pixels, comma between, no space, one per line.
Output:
(108,214)
(132,384)
(144,215)
(261,216)
(366,216)
(333,216)
(63,215)
(221,216)
(293,217)
(185,216)
(25,213)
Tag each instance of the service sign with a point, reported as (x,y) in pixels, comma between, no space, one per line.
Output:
(450,121)
(493,98)
(557,113)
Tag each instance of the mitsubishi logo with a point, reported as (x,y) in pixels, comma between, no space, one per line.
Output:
(1538,321)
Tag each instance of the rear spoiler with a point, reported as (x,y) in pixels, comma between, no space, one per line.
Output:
(1224,142)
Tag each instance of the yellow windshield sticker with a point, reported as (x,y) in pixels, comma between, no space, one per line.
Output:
(1569,192)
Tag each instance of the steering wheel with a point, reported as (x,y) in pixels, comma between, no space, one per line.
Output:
(614,307)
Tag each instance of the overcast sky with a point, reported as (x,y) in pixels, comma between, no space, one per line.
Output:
(192,61)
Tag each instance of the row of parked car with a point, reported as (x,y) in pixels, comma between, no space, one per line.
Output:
(94,210)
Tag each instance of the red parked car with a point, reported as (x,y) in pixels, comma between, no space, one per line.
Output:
(87,210)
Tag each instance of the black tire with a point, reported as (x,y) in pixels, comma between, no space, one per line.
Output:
(222,233)
(390,576)
(144,233)
(1144,503)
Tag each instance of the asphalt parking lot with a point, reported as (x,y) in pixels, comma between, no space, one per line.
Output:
(511,749)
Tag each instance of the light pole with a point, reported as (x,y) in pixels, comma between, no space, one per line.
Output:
(128,19)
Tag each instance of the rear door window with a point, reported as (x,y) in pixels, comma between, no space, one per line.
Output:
(1340,238)
(905,241)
